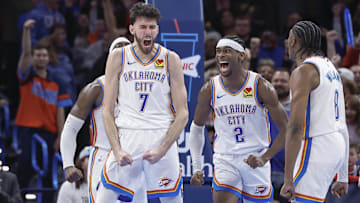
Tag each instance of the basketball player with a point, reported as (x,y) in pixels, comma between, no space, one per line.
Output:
(317,139)
(147,81)
(241,101)
(89,100)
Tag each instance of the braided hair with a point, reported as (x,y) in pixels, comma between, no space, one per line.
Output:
(308,35)
(236,39)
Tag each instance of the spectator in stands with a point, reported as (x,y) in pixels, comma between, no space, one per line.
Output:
(82,32)
(242,28)
(353,194)
(349,86)
(46,15)
(9,188)
(352,54)
(211,39)
(266,68)
(77,192)
(60,57)
(270,49)
(227,22)
(352,107)
(42,102)
(356,71)
(292,19)
(280,81)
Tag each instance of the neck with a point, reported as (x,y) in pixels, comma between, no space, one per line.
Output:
(284,100)
(41,71)
(235,80)
(145,56)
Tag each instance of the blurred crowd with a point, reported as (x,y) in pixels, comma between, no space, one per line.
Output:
(76,35)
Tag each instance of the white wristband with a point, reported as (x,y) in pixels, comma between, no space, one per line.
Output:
(197,141)
(68,139)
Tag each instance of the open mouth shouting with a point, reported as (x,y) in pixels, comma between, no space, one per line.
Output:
(224,67)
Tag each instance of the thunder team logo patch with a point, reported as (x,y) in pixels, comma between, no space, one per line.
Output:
(260,189)
(159,64)
(163,182)
(248,92)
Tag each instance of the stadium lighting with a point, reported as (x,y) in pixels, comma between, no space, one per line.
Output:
(30,196)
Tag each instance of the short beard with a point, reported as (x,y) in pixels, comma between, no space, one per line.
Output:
(140,45)
(283,95)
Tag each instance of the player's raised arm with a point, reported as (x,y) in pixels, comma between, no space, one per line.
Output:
(197,139)
(302,81)
(74,122)
(267,95)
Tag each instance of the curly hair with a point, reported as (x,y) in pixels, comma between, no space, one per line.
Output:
(143,10)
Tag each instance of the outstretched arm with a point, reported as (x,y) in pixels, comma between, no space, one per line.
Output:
(75,120)
(197,139)
(179,99)
(302,81)
(26,58)
(268,97)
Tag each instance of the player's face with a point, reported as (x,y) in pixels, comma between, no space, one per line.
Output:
(353,156)
(41,58)
(145,31)
(280,81)
(291,45)
(227,59)
(120,44)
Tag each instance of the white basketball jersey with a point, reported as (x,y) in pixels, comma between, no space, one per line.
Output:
(144,91)
(240,121)
(98,135)
(325,112)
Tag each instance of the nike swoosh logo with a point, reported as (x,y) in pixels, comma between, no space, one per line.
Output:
(218,97)
(130,63)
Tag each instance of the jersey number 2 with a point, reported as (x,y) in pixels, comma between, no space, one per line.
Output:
(336,103)
(239,135)
(143,97)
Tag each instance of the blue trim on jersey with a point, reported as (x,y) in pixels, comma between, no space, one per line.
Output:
(122,62)
(256,92)
(92,128)
(269,199)
(102,96)
(300,199)
(222,188)
(166,194)
(91,163)
(157,51)
(306,161)
(116,189)
(212,92)
(312,63)
(307,121)
(237,91)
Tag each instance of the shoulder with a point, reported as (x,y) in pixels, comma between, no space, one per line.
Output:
(93,88)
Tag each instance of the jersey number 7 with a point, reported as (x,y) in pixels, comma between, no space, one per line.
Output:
(143,97)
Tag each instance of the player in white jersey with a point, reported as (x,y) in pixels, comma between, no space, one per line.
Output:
(317,140)
(147,81)
(89,101)
(241,101)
